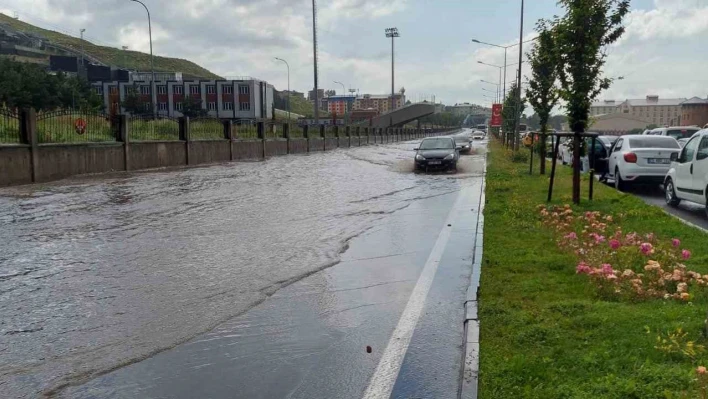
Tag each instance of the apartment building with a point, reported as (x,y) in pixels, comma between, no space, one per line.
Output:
(340,104)
(226,99)
(379,102)
(694,112)
(652,109)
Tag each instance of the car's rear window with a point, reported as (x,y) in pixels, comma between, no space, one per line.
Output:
(681,133)
(653,142)
(432,144)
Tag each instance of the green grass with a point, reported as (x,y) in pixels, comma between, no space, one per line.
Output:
(206,129)
(156,130)
(60,129)
(9,130)
(129,59)
(544,332)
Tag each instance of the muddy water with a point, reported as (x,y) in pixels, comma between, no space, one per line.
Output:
(99,273)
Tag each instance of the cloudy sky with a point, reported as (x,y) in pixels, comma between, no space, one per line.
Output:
(663,51)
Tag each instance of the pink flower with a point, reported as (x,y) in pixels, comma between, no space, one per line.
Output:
(571,236)
(676,242)
(582,268)
(650,236)
(614,244)
(607,269)
(685,254)
(646,248)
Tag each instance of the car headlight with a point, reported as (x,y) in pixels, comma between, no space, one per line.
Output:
(449,157)
(419,157)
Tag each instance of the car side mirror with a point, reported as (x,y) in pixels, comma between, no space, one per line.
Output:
(674,156)
(416,149)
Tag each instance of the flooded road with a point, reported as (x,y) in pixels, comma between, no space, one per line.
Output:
(99,273)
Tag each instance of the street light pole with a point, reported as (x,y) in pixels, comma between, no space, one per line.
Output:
(153,93)
(82,47)
(314,51)
(518,80)
(287,65)
(393,34)
(505,48)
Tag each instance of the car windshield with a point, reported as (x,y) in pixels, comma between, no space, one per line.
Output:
(462,138)
(653,142)
(681,133)
(436,144)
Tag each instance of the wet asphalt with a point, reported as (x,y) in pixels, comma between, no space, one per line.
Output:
(284,304)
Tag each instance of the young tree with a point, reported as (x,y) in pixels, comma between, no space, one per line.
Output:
(582,36)
(511,110)
(192,107)
(133,103)
(542,93)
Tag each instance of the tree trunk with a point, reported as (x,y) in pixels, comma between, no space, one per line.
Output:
(542,151)
(576,168)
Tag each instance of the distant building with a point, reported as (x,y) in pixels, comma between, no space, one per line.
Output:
(380,102)
(616,124)
(652,109)
(359,115)
(694,111)
(311,94)
(340,104)
(227,99)
(467,109)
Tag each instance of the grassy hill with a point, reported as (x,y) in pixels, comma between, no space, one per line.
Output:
(112,56)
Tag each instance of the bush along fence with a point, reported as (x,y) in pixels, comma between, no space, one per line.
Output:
(50,146)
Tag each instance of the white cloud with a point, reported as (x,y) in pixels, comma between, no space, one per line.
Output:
(669,19)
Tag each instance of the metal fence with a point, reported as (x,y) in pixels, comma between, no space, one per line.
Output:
(273,130)
(206,129)
(75,126)
(244,129)
(149,128)
(330,131)
(296,131)
(9,127)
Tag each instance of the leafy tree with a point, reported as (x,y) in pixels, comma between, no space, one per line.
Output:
(133,102)
(557,121)
(582,35)
(534,122)
(192,107)
(543,92)
(511,110)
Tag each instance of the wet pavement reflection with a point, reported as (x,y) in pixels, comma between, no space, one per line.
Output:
(100,273)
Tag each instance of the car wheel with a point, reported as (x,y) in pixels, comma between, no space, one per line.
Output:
(620,184)
(670,193)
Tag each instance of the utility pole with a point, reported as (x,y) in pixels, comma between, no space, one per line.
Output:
(314,49)
(153,93)
(518,80)
(82,48)
(393,34)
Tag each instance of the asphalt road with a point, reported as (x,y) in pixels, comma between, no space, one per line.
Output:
(338,275)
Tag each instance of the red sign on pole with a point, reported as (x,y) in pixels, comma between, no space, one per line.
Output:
(496,115)
(80,126)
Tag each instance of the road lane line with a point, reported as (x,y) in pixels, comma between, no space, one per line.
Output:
(384,378)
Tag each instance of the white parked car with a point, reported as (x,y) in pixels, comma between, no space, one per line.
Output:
(688,176)
(478,135)
(641,159)
(677,132)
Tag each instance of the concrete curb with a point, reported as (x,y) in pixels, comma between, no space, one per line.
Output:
(470,346)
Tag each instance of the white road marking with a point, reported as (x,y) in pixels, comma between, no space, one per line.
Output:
(384,378)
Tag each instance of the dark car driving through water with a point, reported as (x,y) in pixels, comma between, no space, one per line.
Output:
(437,153)
(462,140)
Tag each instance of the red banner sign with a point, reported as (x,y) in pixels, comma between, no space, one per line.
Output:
(496,115)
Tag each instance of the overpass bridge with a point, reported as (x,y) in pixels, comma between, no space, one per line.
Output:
(401,116)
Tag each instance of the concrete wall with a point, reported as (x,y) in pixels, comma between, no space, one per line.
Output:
(146,155)
(276,147)
(209,151)
(248,149)
(15,165)
(316,144)
(298,146)
(59,161)
(344,142)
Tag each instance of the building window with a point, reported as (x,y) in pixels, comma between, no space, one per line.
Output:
(243,90)
(146,106)
(226,89)
(228,106)
(162,106)
(194,89)
(98,90)
(145,90)
(161,89)
(177,89)
(211,106)
(211,89)
(178,106)
(244,106)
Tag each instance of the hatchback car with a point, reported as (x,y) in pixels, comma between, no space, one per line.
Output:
(641,159)
(688,176)
(437,153)
(462,140)
(478,135)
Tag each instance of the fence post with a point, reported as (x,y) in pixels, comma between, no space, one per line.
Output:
(348,135)
(306,135)
(286,135)
(336,134)
(28,135)
(184,135)
(324,137)
(123,135)
(228,134)
(262,135)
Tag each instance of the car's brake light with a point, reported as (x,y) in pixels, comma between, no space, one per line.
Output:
(630,157)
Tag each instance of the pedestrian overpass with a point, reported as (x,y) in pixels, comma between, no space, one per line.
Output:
(401,116)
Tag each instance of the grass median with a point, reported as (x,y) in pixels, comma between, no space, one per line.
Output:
(545,330)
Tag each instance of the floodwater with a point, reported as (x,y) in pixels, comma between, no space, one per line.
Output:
(98,273)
